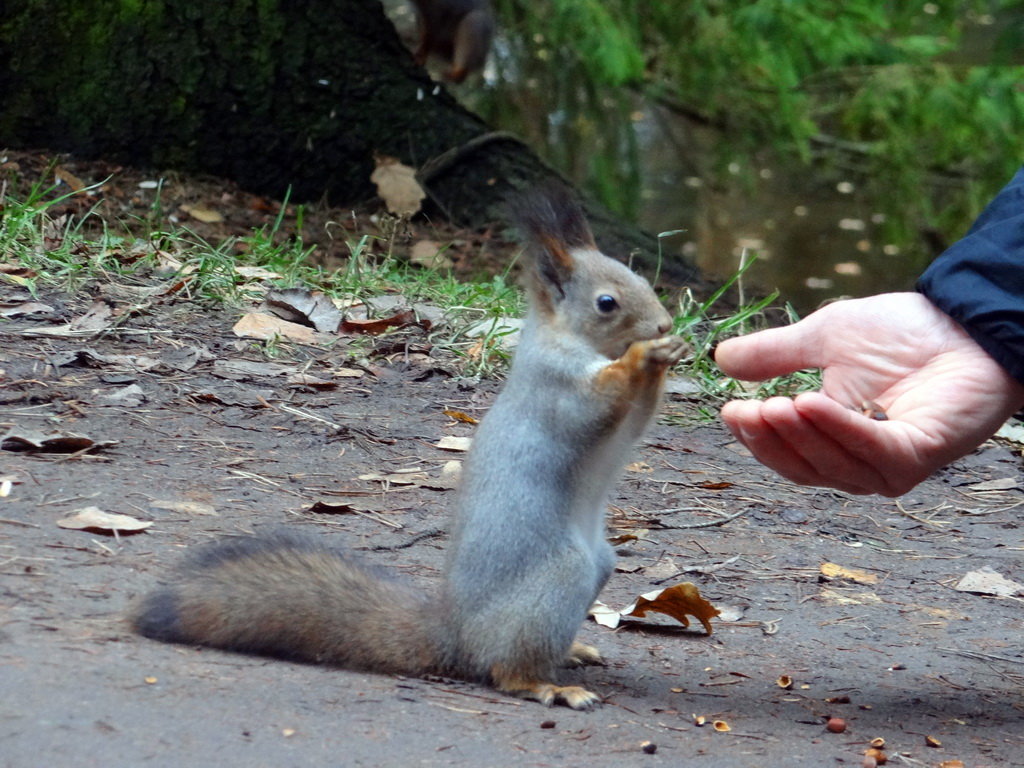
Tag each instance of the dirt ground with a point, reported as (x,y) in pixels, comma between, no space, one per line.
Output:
(201,446)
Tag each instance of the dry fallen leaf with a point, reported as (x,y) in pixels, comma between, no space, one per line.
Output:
(429,254)
(605,615)
(50,442)
(90,358)
(131,396)
(257,273)
(879,757)
(836,597)
(300,305)
(677,601)
(25,308)
(999,484)
(731,612)
(309,381)
(834,571)
(397,186)
(986,581)
(452,443)
(414,477)
(622,538)
(448,479)
(17,270)
(349,373)
(63,174)
(380,325)
(186,507)
(715,486)
(460,416)
(350,506)
(496,331)
(95,519)
(200,213)
(256,325)
(639,466)
(242,370)
(96,318)
(1012,431)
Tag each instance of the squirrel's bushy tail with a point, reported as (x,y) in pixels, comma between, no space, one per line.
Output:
(296,599)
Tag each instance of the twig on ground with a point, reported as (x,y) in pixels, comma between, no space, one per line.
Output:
(410,542)
(691,526)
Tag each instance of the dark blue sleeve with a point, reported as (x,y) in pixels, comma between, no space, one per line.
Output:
(979,281)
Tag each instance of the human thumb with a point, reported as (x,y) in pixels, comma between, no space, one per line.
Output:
(774,352)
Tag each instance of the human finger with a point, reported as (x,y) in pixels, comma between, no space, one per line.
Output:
(773,352)
(899,462)
(745,420)
(829,458)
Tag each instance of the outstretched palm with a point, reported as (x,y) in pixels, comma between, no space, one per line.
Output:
(942,393)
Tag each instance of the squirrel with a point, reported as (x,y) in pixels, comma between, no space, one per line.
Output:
(459,31)
(528,554)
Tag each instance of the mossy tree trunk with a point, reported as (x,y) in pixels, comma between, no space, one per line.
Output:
(275,94)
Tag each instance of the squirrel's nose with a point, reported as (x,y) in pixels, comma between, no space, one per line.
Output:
(664,327)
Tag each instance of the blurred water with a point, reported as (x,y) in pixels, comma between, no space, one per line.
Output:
(815,234)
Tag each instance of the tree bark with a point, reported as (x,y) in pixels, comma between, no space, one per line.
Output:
(281,96)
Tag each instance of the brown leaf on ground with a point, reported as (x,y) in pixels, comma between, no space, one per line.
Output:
(678,602)
(460,416)
(17,273)
(397,186)
(63,174)
(256,325)
(380,325)
(309,381)
(50,442)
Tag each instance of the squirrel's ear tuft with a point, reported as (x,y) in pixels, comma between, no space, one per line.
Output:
(551,211)
(551,221)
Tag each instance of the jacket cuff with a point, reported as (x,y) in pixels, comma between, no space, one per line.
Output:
(979,281)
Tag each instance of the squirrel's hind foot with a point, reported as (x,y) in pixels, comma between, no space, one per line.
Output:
(572,696)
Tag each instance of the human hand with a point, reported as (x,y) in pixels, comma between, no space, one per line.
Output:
(942,393)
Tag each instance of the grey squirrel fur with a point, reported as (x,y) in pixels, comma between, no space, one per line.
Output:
(528,553)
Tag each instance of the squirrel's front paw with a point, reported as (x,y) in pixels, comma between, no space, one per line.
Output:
(666,351)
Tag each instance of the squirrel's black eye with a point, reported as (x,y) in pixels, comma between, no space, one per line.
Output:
(606,303)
